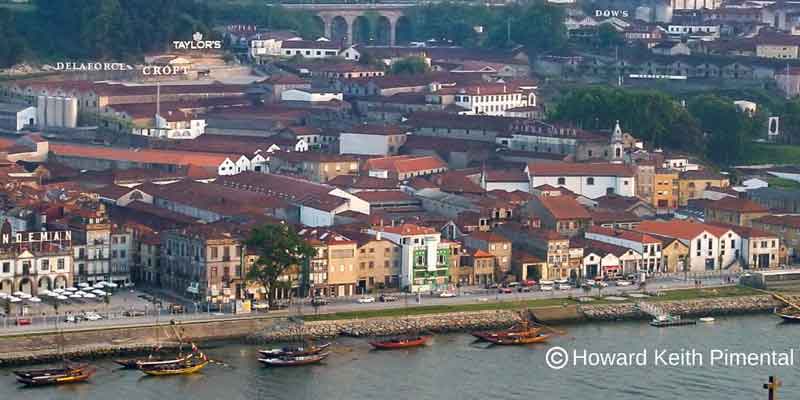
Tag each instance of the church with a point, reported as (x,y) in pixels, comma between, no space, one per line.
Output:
(574,143)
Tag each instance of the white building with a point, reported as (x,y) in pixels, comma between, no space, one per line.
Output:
(320,48)
(31,262)
(383,140)
(710,247)
(648,247)
(267,45)
(705,32)
(310,96)
(590,180)
(425,259)
(16,117)
(492,98)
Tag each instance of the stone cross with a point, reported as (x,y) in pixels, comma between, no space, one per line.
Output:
(772,386)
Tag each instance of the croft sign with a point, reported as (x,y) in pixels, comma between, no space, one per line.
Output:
(157,70)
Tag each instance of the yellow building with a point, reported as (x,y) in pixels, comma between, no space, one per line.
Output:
(675,255)
(692,184)
(665,190)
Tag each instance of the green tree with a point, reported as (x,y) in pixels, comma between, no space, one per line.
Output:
(608,36)
(278,248)
(410,66)
(726,128)
(540,27)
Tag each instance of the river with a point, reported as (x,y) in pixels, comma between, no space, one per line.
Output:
(452,367)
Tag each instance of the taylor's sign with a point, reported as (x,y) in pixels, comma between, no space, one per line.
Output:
(197,43)
(611,13)
(35,237)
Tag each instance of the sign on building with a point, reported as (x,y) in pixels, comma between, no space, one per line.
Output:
(773,128)
(35,237)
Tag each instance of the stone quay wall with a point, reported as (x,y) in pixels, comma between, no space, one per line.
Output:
(91,342)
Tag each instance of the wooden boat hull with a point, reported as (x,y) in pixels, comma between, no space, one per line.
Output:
(128,364)
(177,370)
(297,352)
(400,343)
(680,322)
(790,318)
(516,341)
(54,377)
(490,336)
(294,361)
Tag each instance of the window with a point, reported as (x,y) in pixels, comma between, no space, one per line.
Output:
(122,254)
(123,239)
(60,264)
(590,181)
(562,181)
(214,253)
(45,265)
(371,265)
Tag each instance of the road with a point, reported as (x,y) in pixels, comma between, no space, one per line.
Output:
(115,317)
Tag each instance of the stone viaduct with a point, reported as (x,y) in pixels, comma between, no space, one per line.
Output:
(339,20)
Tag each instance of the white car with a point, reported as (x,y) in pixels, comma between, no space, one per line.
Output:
(546,288)
(447,294)
(564,286)
(92,316)
(624,283)
(366,299)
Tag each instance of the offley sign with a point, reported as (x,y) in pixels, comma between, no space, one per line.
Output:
(35,237)
(197,43)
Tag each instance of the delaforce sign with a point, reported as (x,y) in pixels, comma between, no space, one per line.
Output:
(611,13)
(197,44)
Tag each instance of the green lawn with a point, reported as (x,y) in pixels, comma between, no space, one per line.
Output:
(439,309)
(764,153)
(668,295)
(781,183)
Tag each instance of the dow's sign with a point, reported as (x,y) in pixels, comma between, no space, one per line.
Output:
(611,13)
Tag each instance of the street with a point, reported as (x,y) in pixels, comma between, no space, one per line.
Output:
(114,314)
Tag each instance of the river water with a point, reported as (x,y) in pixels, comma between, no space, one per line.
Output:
(452,367)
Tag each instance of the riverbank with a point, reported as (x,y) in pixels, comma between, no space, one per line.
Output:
(100,342)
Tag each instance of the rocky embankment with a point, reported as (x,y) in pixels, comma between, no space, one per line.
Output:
(468,321)
(684,308)
(435,323)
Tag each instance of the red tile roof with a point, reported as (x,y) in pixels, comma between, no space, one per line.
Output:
(576,169)
(737,205)
(792,221)
(564,207)
(380,196)
(624,234)
(145,156)
(406,164)
(682,229)
(488,237)
(408,229)
(373,129)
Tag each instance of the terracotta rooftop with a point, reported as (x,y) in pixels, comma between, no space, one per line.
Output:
(792,221)
(144,156)
(682,229)
(634,236)
(382,196)
(488,236)
(737,205)
(408,229)
(406,164)
(373,129)
(478,253)
(364,182)
(505,175)
(564,207)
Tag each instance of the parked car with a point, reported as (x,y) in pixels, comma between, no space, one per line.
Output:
(546,288)
(319,301)
(386,298)
(280,305)
(529,282)
(512,284)
(505,290)
(525,289)
(564,286)
(260,306)
(23,321)
(492,286)
(73,318)
(176,308)
(133,313)
(366,299)
(92,316)
(624,283)
(447,294)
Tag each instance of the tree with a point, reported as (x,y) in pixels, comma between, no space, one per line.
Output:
(410,66)
(278,248)
(726,127)
(608,36)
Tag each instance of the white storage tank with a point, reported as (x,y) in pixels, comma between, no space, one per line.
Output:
(41,109)
(70,112)
(59,112)
(663,12)
(50,113)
